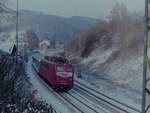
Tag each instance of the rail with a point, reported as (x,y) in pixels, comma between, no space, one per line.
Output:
(111,101)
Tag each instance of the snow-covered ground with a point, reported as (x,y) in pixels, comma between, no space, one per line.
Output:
(120,78)
(7,40)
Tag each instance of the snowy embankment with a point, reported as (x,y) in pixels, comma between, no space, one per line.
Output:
(120,78)
(7,41)
(21,99)
(16,93)
(122,71)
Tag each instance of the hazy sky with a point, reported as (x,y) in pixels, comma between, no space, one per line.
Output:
(90,8)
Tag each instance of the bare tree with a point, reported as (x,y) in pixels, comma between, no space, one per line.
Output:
(126,27)
(123,31)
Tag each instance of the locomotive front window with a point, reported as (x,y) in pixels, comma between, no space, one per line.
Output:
(60,71)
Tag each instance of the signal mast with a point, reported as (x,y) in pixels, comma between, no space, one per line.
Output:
(146,62)
(17,26)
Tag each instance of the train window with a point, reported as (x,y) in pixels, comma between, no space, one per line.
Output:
(60,71)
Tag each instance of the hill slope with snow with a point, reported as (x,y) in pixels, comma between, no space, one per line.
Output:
(124,71)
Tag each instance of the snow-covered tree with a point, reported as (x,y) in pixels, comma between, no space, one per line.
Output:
(4,9)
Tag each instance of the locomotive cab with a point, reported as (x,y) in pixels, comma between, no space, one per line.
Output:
(64,74)
(58,72)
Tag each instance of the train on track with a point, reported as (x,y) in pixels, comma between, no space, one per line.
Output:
(56,71)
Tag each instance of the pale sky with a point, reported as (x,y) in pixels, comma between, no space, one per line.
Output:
(90,8)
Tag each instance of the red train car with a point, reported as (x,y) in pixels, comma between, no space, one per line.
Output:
(57,71)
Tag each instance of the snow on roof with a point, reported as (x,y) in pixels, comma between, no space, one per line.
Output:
(45,42)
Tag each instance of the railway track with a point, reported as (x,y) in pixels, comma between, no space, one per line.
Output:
(83,104)
(60,96)
(75,103)
(70,102)
(91,102)
(97,105)
(104,98)
(69,99)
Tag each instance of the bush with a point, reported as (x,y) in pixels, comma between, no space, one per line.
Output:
(15,93)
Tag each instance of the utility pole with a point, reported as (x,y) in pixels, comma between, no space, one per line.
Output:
(146,62)
(17,23)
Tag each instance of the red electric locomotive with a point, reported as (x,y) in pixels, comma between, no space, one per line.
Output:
(57,71)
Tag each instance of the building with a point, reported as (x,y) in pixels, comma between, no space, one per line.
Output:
(44,45)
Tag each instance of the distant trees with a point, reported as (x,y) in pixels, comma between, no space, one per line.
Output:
(126,27)
(89,45)
(32,40)
(123,30)
(118,17)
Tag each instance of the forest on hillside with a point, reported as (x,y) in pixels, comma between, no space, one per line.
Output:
(122,29)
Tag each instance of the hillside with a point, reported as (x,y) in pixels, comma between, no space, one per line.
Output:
(112,51)
(51,26)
